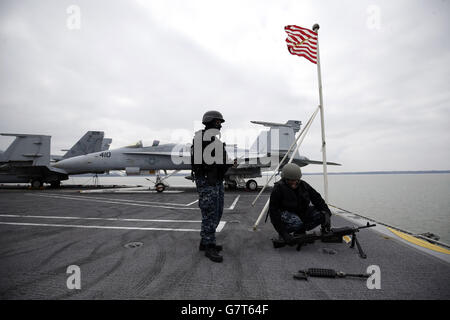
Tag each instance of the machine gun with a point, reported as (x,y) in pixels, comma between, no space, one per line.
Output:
(334,236)
(326,273)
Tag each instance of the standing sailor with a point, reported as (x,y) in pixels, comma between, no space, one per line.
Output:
(209,164)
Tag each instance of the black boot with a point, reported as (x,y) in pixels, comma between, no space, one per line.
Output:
(278,242)
(212,254)
(202,247)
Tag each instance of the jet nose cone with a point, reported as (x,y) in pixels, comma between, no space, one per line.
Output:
(70,165)
(62,164)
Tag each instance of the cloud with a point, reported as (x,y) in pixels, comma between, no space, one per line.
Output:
(143,70)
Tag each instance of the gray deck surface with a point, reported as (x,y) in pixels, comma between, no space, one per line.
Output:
(34,259)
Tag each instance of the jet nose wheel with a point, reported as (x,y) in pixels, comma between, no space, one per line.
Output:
(160,187)
(251,185)
(36,184)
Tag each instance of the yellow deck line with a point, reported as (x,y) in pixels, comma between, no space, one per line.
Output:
(419,242)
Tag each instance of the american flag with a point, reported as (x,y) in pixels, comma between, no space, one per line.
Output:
(302,42)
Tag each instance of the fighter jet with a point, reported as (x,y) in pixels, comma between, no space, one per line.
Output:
(137,159)
(27,159)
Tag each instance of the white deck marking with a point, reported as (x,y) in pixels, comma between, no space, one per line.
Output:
(114,199)
(234,203)
(166,205)
(138,192)
(114,190)
(220,226)
(190,204)
(117,201)
(96,227)
(95,218)
(113,202)
(129,190)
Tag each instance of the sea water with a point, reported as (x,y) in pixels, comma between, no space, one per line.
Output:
(417,203)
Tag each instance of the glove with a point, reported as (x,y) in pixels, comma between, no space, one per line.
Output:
(326,225)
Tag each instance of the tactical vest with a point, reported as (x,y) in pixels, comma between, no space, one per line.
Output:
(214,172)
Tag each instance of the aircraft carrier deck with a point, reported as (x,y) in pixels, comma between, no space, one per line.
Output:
(145,246)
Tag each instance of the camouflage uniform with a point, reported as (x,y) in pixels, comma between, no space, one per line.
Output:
(293,223)
(211,205)
(296,210)
(209,181)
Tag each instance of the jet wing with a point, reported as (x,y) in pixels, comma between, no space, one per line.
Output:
(242,163)
(253,162)
(307,161)
(154,153)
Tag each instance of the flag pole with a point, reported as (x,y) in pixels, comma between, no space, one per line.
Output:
(302,135)
(322,119)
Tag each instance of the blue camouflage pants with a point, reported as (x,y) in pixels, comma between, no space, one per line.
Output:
(211,204)
(293,223)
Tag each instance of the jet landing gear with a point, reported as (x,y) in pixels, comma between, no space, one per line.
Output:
(36,184)
(239,183)
(160,186)
(251,185)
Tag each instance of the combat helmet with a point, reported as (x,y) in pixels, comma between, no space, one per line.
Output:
(211,115)
(291,171)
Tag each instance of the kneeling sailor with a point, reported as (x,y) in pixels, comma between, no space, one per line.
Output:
(290,206)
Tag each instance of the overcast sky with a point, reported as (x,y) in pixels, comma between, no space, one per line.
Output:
(144,70)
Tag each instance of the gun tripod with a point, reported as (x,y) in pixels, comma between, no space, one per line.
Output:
(358,245)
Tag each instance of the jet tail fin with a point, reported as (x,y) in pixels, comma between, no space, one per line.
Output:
(31,148)
(294,124)
(91,142)
(282,134)
(105,144)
